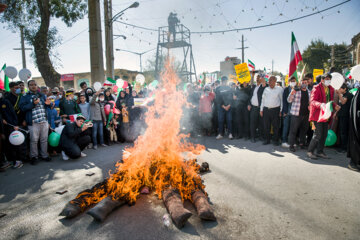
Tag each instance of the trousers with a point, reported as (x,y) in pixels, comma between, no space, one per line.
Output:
(74,151)
(39,132)
(319,137)
(222,114)
(301,124)
(271,118)
(256,122)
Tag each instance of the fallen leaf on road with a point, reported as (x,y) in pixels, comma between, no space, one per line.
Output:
(61,193)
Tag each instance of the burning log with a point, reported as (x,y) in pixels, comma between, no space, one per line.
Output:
(174,205)
(104,208)
(202,206)
(81,202)
(70,210)
(204,167)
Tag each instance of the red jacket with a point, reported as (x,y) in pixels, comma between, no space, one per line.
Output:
(206,102)
(318,97)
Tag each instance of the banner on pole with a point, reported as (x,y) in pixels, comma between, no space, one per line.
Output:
(286,80)
(242,73)
(317,72)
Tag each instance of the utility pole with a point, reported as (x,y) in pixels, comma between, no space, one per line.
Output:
(22,47)
(242,49)
(96,51)
(332,56)
(109,42)
(272,67)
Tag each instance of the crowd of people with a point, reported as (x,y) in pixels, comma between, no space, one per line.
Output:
(264,111)
(86,119)
(268,112)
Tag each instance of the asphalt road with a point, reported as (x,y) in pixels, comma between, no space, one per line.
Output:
(258,192)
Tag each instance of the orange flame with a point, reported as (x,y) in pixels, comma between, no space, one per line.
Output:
(158,158)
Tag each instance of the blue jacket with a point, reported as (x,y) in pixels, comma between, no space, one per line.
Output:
(26,105)
(52,116)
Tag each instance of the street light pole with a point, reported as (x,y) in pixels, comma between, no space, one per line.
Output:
(137,53)
(109,38)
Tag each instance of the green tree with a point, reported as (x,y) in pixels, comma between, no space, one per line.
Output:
(342,57)
(149,70)
(315,55)
(35,17)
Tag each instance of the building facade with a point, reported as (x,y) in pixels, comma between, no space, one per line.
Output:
(73,80)
(355,49)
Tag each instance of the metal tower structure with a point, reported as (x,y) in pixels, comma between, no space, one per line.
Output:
(180,38)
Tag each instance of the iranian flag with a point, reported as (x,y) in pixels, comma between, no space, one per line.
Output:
(348,75)
(109,82)
(251,64)
(73,117)
(4,80)
(325,112)
(295,57)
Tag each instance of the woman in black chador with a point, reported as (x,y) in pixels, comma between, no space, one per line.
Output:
(354,134)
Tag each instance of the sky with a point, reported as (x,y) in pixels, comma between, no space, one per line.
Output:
(265,45)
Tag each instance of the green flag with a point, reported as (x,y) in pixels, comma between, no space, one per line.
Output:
(4,80)
(111,80)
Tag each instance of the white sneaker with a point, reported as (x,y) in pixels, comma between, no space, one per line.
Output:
(230,136)
(64,156)
(285,145)
(83,154)
(219,137)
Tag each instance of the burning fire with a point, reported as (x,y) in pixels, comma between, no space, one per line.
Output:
(158,158)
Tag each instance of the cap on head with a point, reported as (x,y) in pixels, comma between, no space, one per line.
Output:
(79,117)
(224,78)
(69,92)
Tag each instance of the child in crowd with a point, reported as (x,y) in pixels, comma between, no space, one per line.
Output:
(125,121)
(112,128)
(84,107)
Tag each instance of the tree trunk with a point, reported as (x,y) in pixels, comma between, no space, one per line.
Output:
(40,43)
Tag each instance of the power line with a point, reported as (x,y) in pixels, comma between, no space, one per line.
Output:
(246,28)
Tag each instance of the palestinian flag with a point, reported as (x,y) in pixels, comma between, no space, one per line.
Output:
(348,75)
(295,57)
(251,64)
(109,82)
(4,80)
(325,112)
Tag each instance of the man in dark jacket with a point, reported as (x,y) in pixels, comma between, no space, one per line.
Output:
(34,105)
(256,122)
(74,139)
(244,97)
(225,94)
(286,112)
(68,105)
(10,124)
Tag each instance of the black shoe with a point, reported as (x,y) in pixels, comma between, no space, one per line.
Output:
(266,142)
(322,155)
(311,155)
(292,149)
(253,140)
(47,159)
(34,161)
